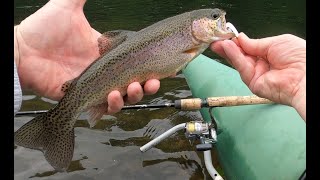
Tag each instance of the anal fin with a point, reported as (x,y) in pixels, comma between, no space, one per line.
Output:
(96,112)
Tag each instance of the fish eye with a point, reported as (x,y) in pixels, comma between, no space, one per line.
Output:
(215,15)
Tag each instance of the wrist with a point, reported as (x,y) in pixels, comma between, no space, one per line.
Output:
(16,47)
(19,51)
(299,100)
(19,56)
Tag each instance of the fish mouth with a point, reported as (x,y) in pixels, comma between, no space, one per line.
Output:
(232,28)
(223,32)
(222,24)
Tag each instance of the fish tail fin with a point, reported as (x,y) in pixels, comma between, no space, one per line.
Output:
(56,143)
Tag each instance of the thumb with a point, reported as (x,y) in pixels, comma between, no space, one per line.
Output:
(255,47)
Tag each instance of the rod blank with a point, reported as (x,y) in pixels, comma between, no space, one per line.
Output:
(190,104)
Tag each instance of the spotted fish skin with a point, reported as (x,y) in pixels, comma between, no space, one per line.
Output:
(156,51)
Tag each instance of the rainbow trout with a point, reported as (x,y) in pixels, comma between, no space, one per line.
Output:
(156,51)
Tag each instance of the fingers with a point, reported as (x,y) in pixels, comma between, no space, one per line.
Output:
(255,47)
(151,86)
(260,68)
(217,47)
(240,61)
(135,94)
(115,102)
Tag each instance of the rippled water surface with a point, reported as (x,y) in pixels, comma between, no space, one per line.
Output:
(110,150)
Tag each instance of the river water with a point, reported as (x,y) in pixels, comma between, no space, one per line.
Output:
(110,150)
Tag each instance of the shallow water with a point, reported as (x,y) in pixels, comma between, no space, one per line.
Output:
(110,150)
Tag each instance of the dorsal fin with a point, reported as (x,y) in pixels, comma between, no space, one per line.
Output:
(111,39)
(66,85)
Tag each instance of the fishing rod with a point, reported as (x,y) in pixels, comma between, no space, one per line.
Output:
(190,103)
(205,132)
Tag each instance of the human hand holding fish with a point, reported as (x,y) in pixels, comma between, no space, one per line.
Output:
(55,44)
(124,59)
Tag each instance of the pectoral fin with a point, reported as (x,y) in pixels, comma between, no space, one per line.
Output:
(193,51)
